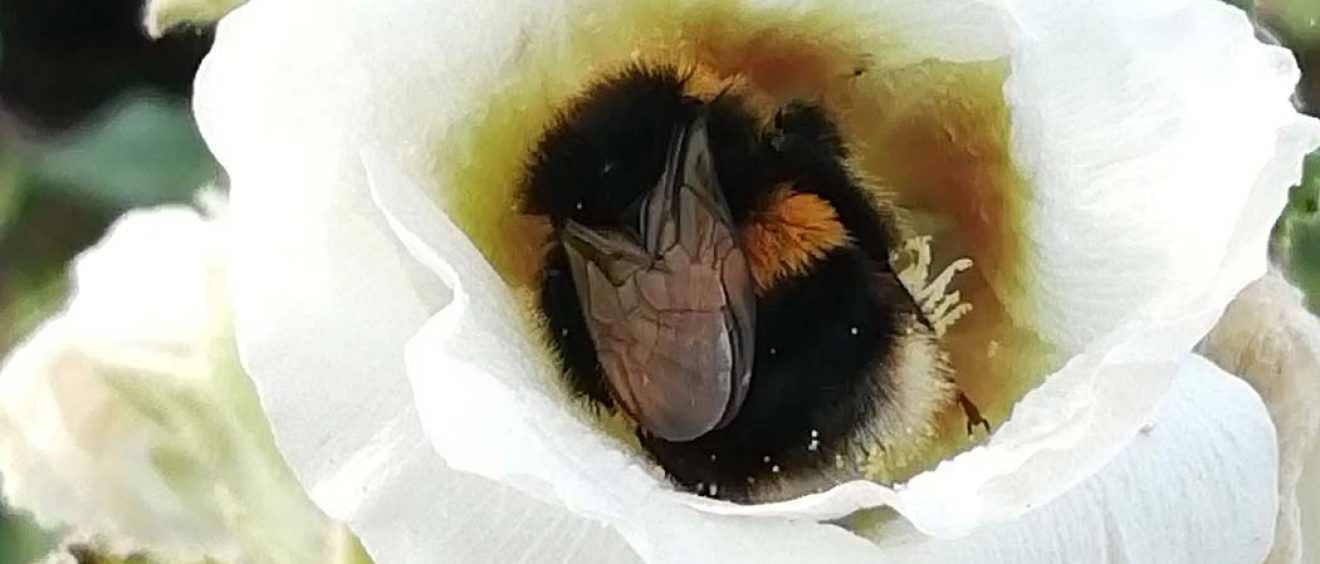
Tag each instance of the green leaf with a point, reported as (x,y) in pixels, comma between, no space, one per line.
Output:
(1301,21)
(11,188)
(90,555)
(36,295)
(1298,235)
(143,150)
(21,540)
(1248,6)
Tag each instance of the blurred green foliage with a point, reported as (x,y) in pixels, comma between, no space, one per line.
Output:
(1248,6)
(1297,238)
(57,195)
(88,555)
(142,150)
(1299,20)
(21,541)
(9,189)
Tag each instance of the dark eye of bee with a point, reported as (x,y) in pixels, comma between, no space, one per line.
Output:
(824,316)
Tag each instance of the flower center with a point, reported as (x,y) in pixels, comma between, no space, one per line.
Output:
(917,148)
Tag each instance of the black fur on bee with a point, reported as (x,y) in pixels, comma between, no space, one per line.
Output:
(825,336)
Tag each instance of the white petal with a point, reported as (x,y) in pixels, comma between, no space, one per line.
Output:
(1158,140)
(1149,207)
(139,300)
(147,281)
(1196,486)
(123,418)
(1268,337)
(1308,501)
(325,299)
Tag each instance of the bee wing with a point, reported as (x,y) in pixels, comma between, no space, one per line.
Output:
(706,224)
(673,331)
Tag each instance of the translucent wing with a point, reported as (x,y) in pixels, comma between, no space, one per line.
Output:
(672,316)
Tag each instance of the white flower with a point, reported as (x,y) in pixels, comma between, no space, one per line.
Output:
(1270,340)
(1133,156)
(125,420)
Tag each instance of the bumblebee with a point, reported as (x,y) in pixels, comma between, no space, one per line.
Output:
(719,273)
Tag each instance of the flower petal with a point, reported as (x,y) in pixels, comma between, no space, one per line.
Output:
(1155,156)
(325,300)
(491,409)
(1134,241)
(1195,486)
(125,420)
(139,300)
(1268,337)
(1308,501)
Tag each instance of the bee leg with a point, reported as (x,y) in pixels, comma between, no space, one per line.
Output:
(973,415)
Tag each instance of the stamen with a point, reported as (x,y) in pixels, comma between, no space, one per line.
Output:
(941,307)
